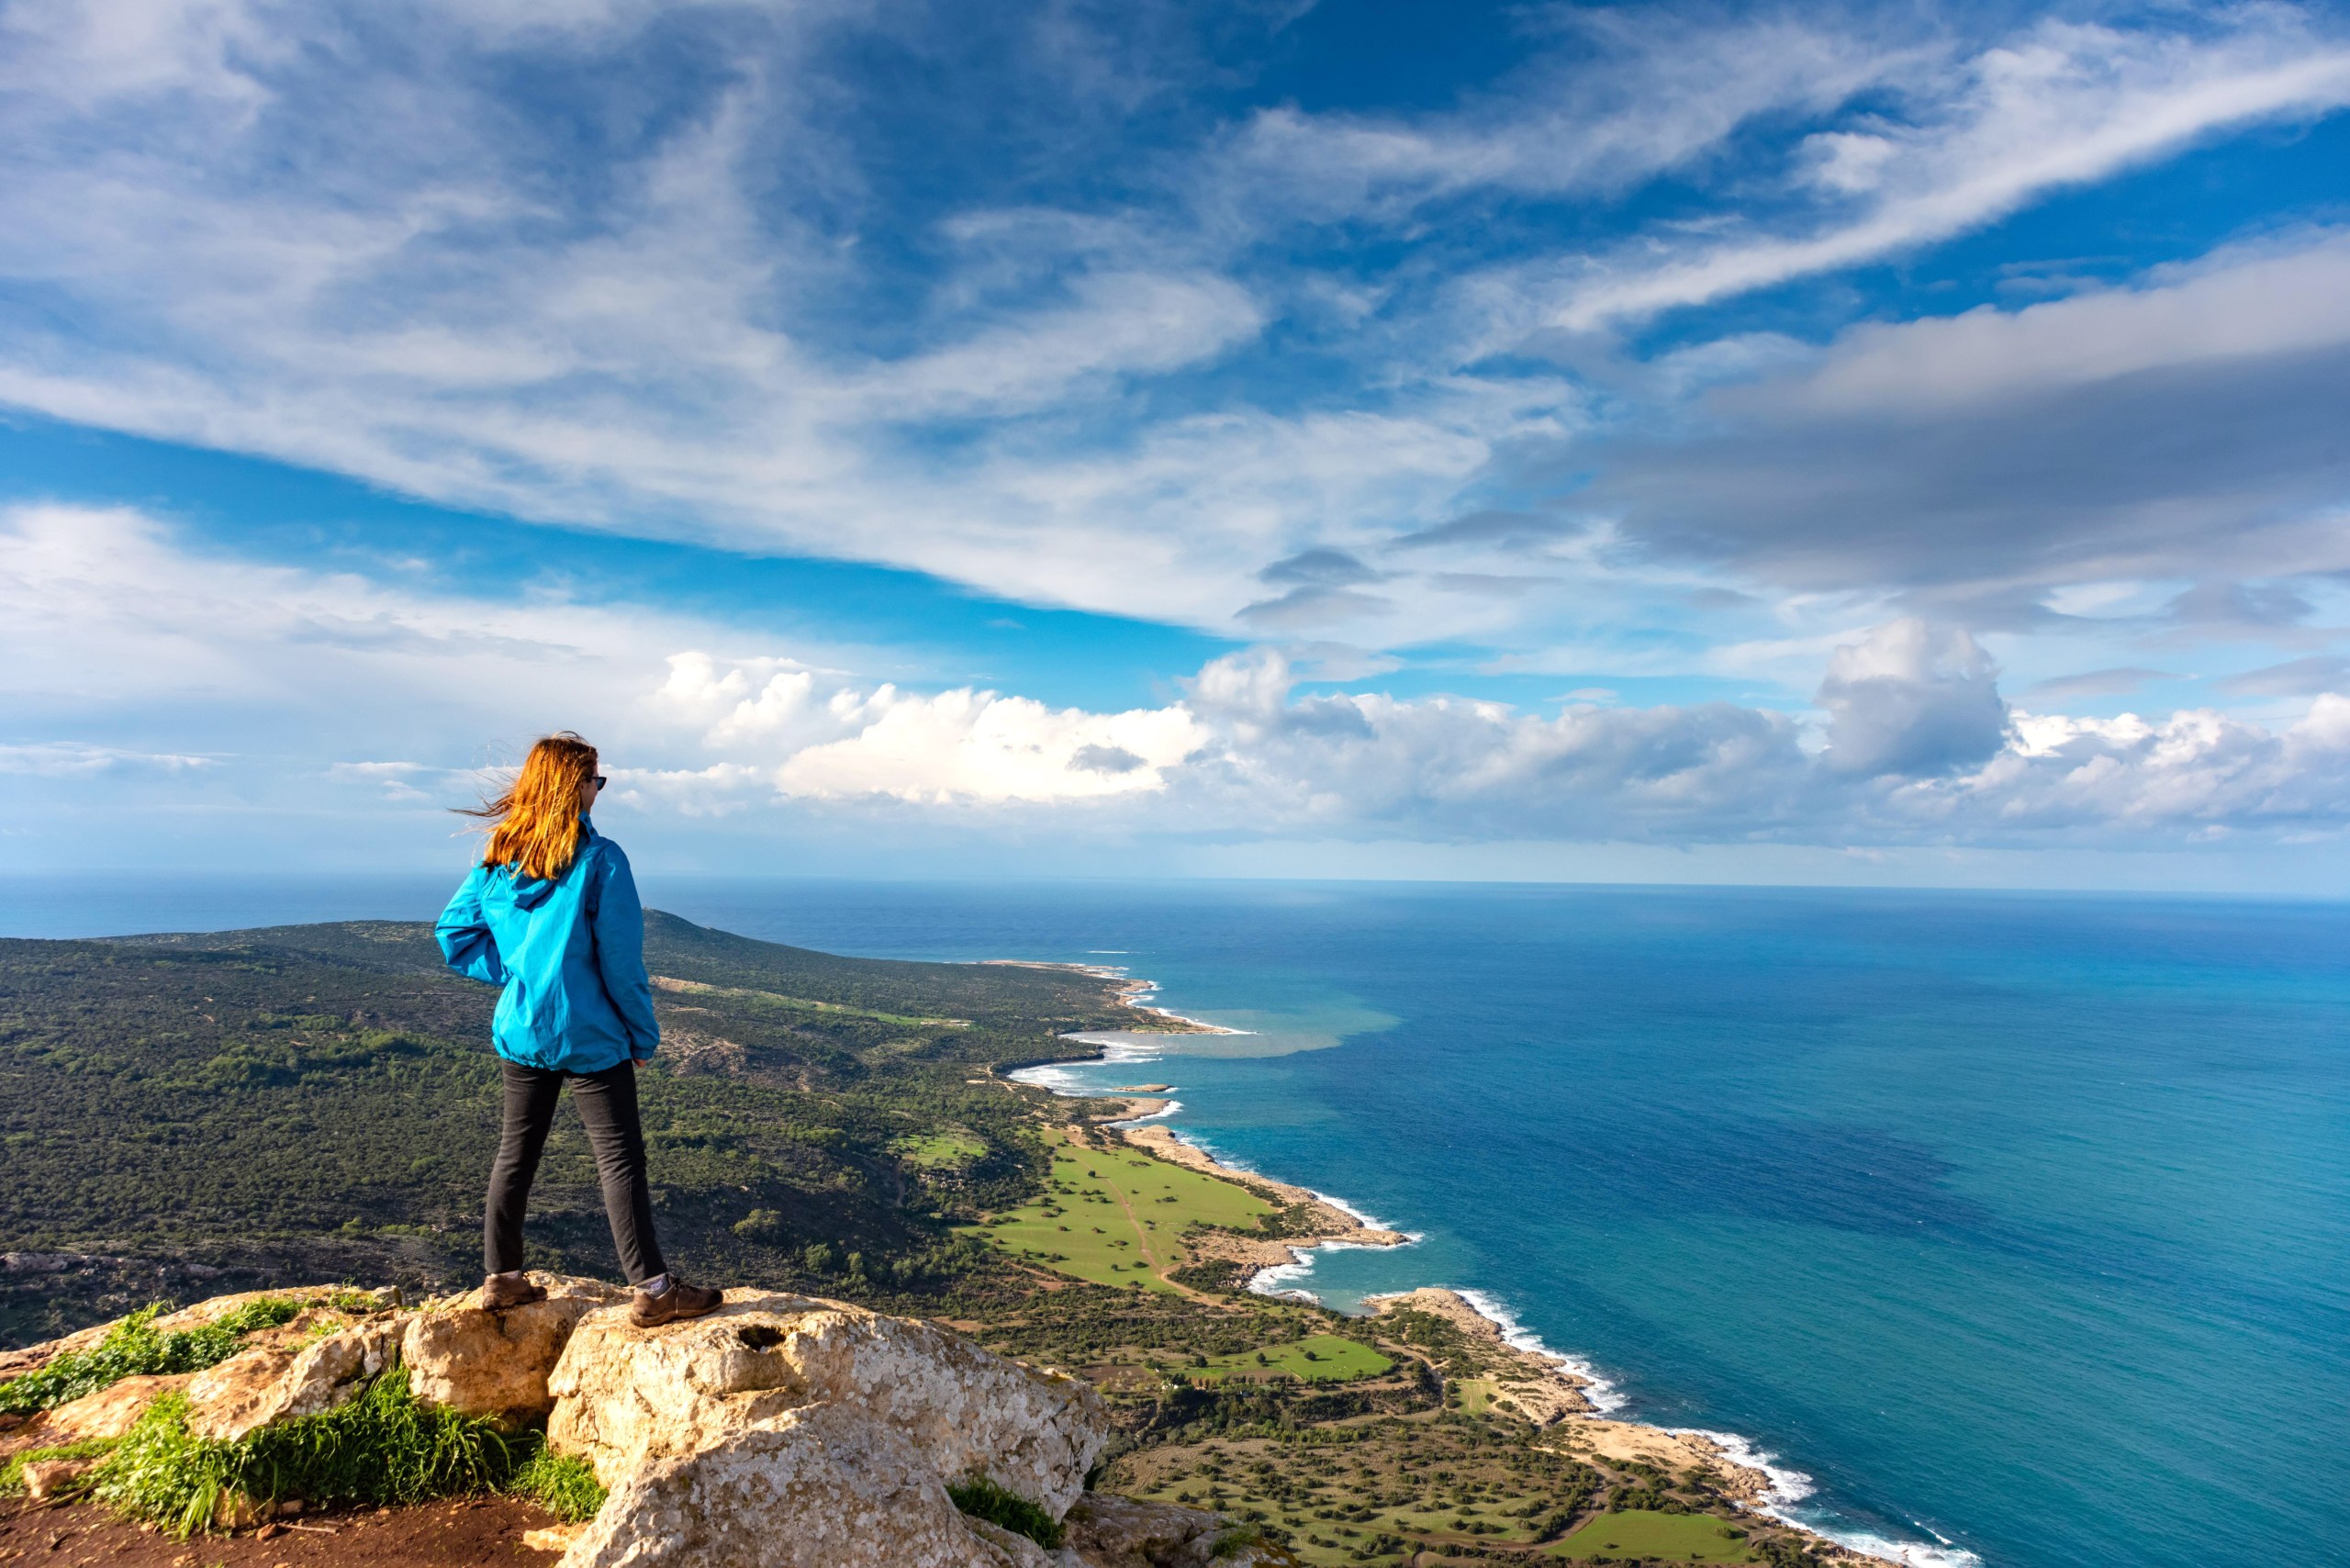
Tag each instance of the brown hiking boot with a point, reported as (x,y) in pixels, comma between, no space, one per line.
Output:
(675,1304)
(499,1291)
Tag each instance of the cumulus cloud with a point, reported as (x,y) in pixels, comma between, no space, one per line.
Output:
(1911,700)
(107,622)
(1920,749)
(2198,773)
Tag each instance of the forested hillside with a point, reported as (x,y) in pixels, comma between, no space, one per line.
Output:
(320,1102)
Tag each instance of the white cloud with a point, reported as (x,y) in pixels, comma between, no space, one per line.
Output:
(257,228)
(823,738)
(1619,97)
(2286,297)
(1911,698)
(2066,105)
(980,745)
(302,684)
(2195,773)
(73,759)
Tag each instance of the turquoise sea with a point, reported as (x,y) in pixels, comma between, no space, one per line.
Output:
(2008,1225)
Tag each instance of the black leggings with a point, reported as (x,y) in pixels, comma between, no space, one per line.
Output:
(606,1102)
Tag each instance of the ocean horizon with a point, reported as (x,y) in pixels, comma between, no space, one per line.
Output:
(2008,1228)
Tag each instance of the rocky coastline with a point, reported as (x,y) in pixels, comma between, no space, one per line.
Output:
(1535,1384)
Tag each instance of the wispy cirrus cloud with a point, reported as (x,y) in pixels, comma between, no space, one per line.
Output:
(2066,104)
(74,759)
(729,313)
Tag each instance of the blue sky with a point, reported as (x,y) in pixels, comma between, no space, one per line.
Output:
(1851,443)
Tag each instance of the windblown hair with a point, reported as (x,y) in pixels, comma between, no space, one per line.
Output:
(535,826)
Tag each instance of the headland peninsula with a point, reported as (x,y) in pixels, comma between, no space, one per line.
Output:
(191,1116)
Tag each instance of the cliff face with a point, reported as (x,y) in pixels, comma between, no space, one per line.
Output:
(782,1431)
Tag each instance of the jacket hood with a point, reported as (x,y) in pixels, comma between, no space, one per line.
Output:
(529,892)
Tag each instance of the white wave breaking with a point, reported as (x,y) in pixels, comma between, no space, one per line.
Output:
(1064,1078)
(1909,1555)
(1285,1280)
(1790,1487)
(1603,1393)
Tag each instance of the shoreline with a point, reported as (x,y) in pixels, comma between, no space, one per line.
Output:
(1131,990)
(1557,1392)
(1332,1224)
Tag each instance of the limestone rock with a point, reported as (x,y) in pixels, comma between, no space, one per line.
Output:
(1107,1531)
(48,1478)
(821,1486)
(273,1383)
(231,1398)
(625,1396)
(109,1413)
(785,1432)
(1629,1441)
(497,1363)
(1018,1549)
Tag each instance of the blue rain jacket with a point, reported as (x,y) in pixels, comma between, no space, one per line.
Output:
(570,953)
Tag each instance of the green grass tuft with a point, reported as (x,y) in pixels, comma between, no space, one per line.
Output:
(132,1349)
(384,1446)
(11,1474)
(562,1484)
(983,1499)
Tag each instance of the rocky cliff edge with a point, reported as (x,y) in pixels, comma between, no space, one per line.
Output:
(782,1431)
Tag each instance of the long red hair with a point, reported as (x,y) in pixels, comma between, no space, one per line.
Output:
(535,825)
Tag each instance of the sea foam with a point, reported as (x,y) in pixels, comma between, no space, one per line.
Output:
(1602,1393)
(1790,1487)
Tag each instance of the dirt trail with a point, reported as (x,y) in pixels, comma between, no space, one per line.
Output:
(1159,1267)
(454,1534)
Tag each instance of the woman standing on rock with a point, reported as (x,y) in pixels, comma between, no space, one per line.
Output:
(551,914)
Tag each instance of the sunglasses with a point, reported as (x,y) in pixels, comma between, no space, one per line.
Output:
(601,781)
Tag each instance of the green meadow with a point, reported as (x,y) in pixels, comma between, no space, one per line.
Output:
(1116,1216)
(1320,1358)
(1639,1532)
(943,1150)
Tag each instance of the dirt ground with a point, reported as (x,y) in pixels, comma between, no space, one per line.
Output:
(476,1530)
